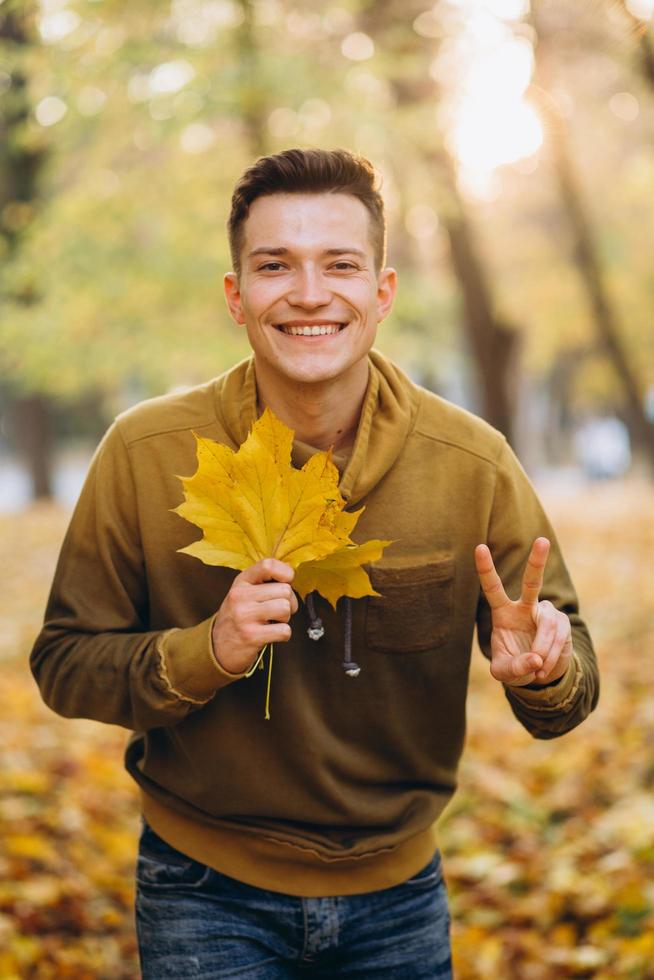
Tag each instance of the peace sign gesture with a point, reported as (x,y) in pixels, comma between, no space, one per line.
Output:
(531,640)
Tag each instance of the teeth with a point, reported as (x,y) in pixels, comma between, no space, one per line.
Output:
(312,331)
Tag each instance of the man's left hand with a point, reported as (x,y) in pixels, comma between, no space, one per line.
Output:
(531,640)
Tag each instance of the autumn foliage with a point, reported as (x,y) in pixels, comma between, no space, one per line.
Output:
(549,846)
(254,504)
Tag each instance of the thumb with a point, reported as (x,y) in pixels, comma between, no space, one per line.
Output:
(267,570)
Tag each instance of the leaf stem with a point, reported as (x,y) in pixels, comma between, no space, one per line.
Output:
(257,662)
(270,663)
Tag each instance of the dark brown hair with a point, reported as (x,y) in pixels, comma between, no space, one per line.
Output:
(308,172)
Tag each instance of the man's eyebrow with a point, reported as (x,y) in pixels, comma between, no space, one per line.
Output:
(349,250)
(267,250)
(281,250)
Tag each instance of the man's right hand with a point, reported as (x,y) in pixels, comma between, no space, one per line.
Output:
(255,611)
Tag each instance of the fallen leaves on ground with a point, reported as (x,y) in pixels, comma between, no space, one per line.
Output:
(549,846)
(68,814)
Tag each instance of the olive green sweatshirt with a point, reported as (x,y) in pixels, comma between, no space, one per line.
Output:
(339,791)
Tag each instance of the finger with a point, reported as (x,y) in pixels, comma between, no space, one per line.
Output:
(520,669)
(561,638)
(532,580)
(273,633)
(274,610)
(546,623)
(265,591)
(490,581)
(266,570)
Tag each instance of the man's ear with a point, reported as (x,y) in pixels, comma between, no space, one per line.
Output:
(233,296)
(386,290)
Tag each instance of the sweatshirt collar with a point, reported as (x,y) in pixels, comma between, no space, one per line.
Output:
(387,417)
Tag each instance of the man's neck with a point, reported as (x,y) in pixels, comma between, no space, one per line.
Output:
(322,415)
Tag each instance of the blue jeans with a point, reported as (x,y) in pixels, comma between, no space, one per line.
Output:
(195,923)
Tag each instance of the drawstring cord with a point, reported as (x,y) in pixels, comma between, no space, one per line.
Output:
(351,668)
(316,631)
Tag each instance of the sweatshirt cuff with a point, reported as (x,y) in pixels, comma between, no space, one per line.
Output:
(188,666)
(556,698)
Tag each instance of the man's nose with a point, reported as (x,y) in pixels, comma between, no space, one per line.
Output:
(309,289)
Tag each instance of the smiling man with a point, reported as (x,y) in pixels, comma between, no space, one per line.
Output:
(305,845)
(310,289)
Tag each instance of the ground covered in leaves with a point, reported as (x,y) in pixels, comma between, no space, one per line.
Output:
(549,846)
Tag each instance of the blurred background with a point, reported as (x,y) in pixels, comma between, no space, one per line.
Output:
(515,144)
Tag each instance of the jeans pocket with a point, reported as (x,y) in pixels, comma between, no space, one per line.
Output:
(159,865)
(429,876)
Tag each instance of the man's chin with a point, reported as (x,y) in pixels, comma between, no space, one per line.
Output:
(315,370)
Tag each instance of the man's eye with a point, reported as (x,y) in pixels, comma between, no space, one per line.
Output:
(270,267)
(344,266)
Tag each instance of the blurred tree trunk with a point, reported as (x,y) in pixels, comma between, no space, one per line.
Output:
(20,163)
(254,97)
(586,254)
(561,416)
(640,28)
(31,425)
(493,344)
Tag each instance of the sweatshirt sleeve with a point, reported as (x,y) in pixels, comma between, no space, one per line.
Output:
(516,519)
(95,656)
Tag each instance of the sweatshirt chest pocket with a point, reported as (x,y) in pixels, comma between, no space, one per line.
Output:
(414,610)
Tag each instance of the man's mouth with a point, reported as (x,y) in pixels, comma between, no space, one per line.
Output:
(310,330)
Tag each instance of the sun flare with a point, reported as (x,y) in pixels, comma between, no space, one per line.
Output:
(488,121)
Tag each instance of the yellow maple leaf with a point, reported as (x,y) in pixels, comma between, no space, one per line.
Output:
(339,573)
(253,504)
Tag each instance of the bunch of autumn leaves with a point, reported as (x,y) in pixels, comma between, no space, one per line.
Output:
(254,504)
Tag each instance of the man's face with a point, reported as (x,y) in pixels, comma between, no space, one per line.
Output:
(308,292)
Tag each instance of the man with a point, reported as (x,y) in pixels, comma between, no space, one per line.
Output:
(305,843)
